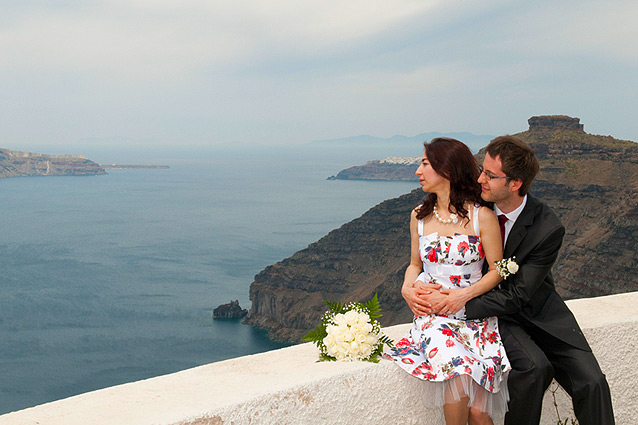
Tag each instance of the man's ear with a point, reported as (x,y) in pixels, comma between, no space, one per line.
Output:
(515,185)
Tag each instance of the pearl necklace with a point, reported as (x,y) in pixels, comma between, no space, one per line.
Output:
(453,217)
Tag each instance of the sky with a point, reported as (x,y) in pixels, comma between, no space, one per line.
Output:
(153,74)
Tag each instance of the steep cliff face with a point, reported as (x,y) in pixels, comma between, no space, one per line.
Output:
(590,181)
(18,164)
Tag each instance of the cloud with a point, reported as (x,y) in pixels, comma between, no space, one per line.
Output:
(112,43)
(154,39)
(208,70)
(565,30)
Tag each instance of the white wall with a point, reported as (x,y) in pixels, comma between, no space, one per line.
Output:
(287,386)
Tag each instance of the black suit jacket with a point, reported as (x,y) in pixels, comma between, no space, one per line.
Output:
(529,296)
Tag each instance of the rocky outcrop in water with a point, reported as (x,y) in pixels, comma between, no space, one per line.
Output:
(20,164)
(232,310)
(590,181)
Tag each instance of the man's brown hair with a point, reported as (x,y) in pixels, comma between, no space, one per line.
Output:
(517,160)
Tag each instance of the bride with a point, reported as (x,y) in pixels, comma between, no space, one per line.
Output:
(452,234)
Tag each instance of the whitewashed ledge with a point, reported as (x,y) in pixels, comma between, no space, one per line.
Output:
(287,386)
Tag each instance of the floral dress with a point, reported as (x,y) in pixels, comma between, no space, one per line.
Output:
(438,347)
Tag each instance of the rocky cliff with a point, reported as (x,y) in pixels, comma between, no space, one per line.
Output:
(591,181)
(18,164)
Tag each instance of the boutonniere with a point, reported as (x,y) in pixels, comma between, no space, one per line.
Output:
(506,267)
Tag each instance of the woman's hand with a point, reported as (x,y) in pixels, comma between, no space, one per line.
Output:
(455,300)
(416,296)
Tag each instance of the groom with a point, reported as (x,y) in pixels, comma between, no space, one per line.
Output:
(541,336)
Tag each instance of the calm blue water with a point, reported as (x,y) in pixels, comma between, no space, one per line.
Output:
(111,279)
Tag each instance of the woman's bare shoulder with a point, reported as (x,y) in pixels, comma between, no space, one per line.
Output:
(486,214)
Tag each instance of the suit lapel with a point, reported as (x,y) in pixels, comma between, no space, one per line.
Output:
(519,230)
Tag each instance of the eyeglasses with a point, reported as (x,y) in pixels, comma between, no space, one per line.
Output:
(489,176)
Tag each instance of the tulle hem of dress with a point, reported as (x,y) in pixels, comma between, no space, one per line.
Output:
(463,386)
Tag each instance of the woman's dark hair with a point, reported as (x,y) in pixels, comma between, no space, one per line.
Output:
(454,161)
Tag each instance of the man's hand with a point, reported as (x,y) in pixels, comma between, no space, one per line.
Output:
(436,300)
(450,304)
(417,296)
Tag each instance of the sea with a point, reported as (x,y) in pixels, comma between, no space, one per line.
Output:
(112,279)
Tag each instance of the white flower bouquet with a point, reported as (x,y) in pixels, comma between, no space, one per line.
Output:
(506,266)
(350,332)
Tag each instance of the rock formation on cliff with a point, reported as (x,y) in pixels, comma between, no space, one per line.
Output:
(19,164)
(555,122)
(590,181)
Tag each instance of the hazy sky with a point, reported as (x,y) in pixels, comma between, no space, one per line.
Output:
(156,73)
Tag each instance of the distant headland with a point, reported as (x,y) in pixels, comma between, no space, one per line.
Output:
(24,164)
(21,164)
(392,168)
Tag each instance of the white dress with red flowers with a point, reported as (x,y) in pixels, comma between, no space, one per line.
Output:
(466,356)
